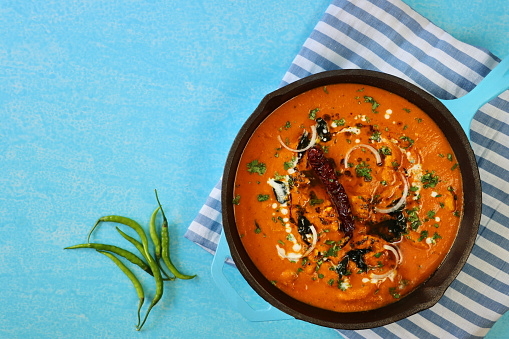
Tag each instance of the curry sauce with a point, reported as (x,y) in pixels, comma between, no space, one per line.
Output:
(404,193)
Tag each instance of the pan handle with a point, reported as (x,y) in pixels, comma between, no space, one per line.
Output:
(268,314)
(464,108)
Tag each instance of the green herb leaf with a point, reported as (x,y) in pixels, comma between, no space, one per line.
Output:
(256,167)
(236,200)
(429,179)
(263,197)
(374,104)
(312,113)
(257,229)
(363,170)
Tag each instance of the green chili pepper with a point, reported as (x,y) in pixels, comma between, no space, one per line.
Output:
(154,235)
(130,275)
(150,260)
(139,247)
(117,250)
(165,246)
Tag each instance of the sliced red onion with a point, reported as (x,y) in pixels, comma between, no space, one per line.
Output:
(399,258)
(296,256)
(371,148)
(383,276)
(395,250)
(311,143)
(400,202)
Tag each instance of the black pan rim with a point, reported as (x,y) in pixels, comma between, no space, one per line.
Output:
(424,296)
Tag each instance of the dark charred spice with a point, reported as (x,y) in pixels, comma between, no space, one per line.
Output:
(335,190)
(304,228)
(322,130)
(391,229)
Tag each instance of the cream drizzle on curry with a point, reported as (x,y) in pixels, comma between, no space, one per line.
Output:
(403,184)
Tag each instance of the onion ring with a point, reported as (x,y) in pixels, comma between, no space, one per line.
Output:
(399,258)
(311,143)
(371,148)
(400,202)
(282,252)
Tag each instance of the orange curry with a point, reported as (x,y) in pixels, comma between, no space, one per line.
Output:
(404,191)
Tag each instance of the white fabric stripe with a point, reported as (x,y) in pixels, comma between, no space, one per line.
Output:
(496,204)
(487,268)
(482,288)
(425,46)
(290,77)
(494,180)
(473,51)
(495,227)
(489,154)
(216,194)
(430,327)
(353,45)
(390,46)
(307,65)
(400,331)
(368,334)
(486,130)
(495,249)
(329,54)
(211,213)
(458,320)
(205,232)
(472,305)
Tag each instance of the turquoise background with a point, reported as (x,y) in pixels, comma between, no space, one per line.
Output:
(101,103)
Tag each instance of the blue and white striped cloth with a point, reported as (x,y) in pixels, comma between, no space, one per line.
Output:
(388,36)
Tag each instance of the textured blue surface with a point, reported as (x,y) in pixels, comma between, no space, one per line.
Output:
(101,103)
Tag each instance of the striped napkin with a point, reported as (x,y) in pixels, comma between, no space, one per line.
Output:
(388,36)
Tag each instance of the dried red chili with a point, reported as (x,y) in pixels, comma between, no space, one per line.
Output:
(335,190)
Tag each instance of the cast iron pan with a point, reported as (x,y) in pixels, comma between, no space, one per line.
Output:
(429,292)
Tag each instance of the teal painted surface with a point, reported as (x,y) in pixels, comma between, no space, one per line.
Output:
(100,103)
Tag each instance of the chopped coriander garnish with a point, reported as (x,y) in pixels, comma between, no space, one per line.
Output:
(454,166)
(263,197)
(405,138)
(377,255)
(424,235)
(429,179)
(325,89)
(413,218)
(456,213)
(257,229)
(312,113)
(289,164)
(299,270)
(288,125)
(375,136)
(392,291)
(406,110)
(281,242)
(330,282)
(320,276)
(436,236)
(363,170)
(449,156)
(431,214)
(374,104)
(256,167)
(236,200)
